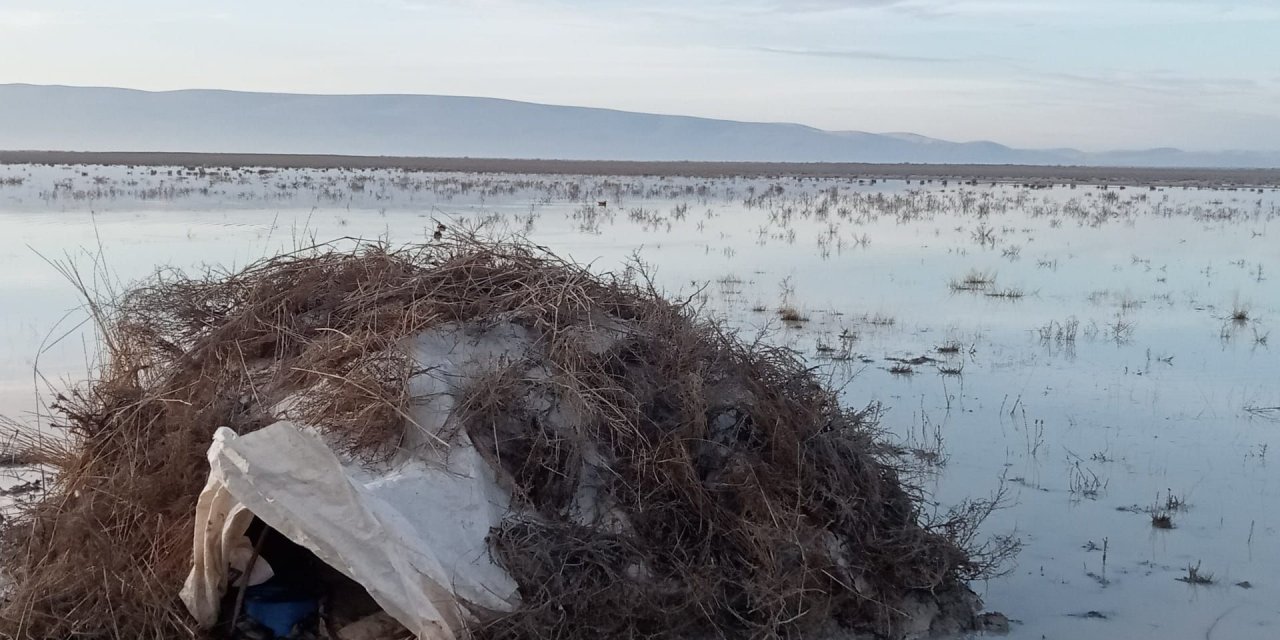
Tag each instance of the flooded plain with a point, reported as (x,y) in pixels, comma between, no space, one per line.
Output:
(1102,356)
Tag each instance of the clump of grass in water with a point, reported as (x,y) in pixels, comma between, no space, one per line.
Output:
(928,448)
(1060,332)
(1128,302)
(1085,483)
(949,348)
(1162,513)
(1195,576)
(881,320)
(1120,331)
(1009,293)
(901,369)
(791,314)
(974,280)
(1239,311)
(984,235)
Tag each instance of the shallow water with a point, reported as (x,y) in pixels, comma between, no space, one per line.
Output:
(1160,393)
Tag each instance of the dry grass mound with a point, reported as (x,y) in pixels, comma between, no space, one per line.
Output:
(744,499)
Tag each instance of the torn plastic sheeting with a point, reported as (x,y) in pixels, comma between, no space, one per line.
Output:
(413,536)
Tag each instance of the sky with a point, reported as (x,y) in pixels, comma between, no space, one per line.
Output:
(1089,74)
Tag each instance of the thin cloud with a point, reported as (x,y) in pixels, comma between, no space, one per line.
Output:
(834,5)
(1160,83)
(924,9)
(854,54)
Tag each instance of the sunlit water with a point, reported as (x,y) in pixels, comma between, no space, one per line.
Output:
(1160,393)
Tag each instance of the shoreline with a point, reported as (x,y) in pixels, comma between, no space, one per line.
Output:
(1029,174)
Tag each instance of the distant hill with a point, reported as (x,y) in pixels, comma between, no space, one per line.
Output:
(104,119)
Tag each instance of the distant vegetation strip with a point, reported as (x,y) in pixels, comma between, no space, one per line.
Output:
(1237,178)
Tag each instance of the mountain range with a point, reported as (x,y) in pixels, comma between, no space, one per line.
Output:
(40,117)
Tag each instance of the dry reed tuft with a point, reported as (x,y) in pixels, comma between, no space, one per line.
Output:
(753,503)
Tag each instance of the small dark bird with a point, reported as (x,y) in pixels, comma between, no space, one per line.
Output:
(440,229)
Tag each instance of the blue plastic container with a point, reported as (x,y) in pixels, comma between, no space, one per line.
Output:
(278,609)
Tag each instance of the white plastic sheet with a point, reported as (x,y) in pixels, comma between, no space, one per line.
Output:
(413,536)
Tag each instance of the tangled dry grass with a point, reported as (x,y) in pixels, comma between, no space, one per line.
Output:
(752,503)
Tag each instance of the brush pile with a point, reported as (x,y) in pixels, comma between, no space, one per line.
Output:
(734,495)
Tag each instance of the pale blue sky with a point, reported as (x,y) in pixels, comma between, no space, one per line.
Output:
(1093,74)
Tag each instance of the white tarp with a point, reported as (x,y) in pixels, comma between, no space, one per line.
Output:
(413,537)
